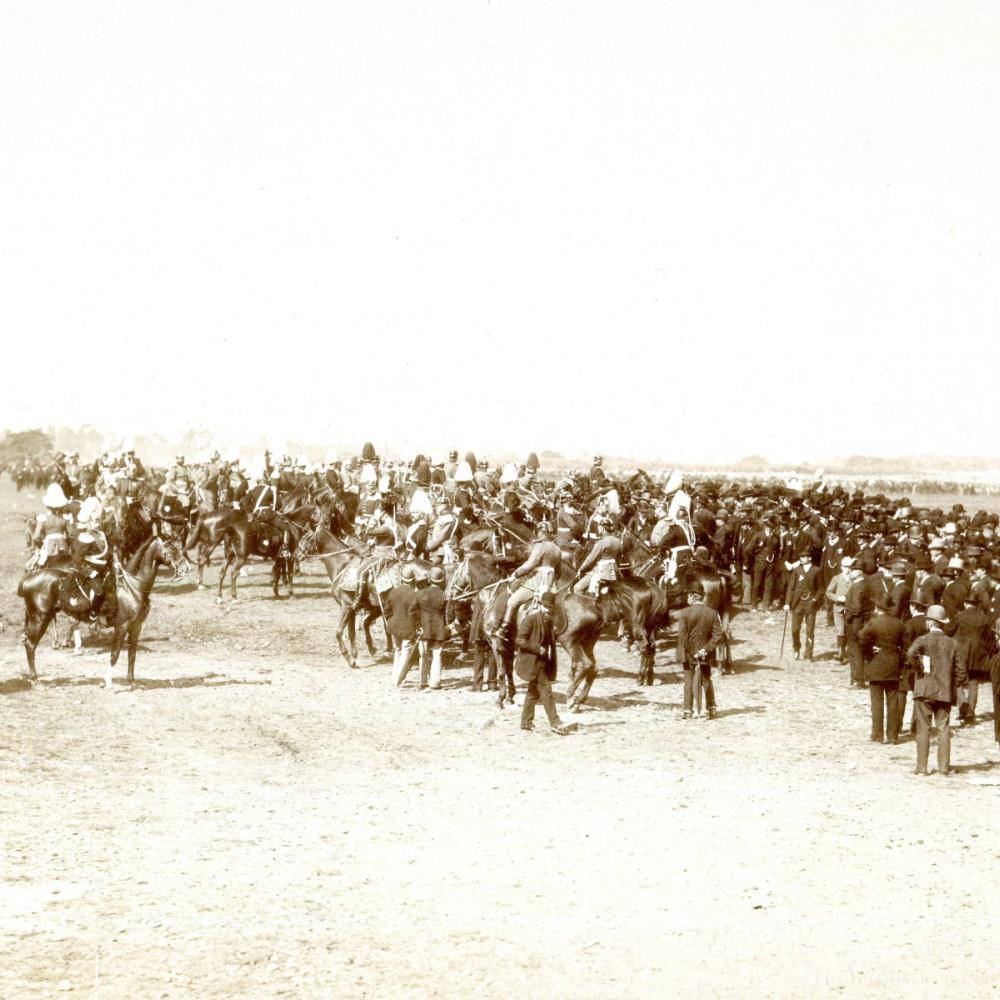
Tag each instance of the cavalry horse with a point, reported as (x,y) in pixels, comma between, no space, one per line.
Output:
(577,621)
(207,533)
(125,605)
(273,537)
(675,573)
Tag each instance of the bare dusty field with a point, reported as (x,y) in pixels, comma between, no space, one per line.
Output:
(254,819)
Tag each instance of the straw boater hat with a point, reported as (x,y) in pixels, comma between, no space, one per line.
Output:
(54,497)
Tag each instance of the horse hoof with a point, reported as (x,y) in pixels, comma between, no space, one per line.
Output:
(201,586)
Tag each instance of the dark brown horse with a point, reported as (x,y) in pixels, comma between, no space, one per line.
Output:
(577,623)
(207,533)
(273,537)
(124,607)
(675,573)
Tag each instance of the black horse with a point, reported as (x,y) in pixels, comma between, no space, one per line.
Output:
(124,607)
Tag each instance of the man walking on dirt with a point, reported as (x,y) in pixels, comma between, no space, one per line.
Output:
(535,662)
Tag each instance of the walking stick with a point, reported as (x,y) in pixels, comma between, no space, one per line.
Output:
(783,631)
(697,686)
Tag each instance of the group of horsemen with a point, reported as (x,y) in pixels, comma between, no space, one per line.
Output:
(420,509)
(762,537)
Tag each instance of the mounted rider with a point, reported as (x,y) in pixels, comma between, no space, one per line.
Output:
(52,528)
(177,489)
(601,564)
(538,573)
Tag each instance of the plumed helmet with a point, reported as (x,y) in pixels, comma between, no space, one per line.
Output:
(544,528)
(453,455)
(471,459)
(436,574)
(422,474)
(532,463)
(54,496)
(463,474)
(407,574)
(368,452)
(509,474)
(598,459)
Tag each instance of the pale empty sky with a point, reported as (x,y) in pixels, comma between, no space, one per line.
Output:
(693,231)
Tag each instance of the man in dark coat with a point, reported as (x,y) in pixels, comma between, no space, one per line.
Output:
(857,610)
(699,632)
(803,597)
(535,662)
(433,630)
(403,622)
(972,629)
(883,644)
(940,669)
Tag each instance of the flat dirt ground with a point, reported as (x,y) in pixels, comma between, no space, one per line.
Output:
(254,819)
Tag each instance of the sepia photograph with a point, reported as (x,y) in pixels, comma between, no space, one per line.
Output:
(499,500)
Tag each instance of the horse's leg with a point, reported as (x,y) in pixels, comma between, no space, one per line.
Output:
(34,628)
(133,644)
(275,575)
(501,674)
(585,677)
(238,564)
(346,617)
(371,615)
(227,561)
(116,647)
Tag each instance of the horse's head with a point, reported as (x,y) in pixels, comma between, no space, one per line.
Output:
(170,551)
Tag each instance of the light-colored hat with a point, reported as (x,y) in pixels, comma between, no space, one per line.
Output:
(950,528)
(54,496)
(463,474)
(955,563)
(936,613)
(89,510)
(509,474)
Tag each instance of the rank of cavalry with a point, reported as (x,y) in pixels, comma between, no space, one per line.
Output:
(444,549)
